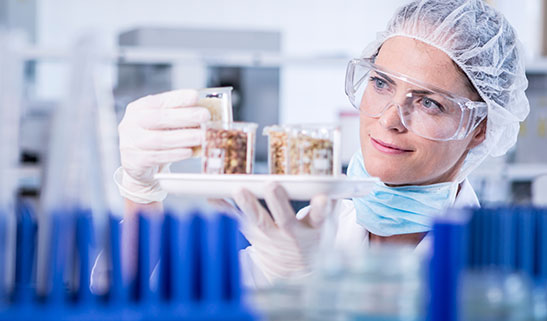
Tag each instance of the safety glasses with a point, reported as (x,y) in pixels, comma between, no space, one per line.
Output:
(424,109)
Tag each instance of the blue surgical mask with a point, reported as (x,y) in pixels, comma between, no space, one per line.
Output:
(389,211)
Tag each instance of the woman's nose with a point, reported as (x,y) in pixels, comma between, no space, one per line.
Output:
(390,118)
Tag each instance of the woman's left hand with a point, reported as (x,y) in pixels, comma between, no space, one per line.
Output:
(283,245)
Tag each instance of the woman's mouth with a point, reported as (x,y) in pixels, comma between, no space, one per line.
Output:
(388,148)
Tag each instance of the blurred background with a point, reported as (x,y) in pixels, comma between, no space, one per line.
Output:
(285,59)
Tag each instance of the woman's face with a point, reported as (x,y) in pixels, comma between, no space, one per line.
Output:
(415,160)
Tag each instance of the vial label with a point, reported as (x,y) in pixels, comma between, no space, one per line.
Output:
(215,161)
(322,162)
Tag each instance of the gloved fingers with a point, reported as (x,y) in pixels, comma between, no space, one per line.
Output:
(272,267)
(278,246)
(149,158)
(254,212)
(169,99)
(282,261)
(277,200)
(173,118)
(320,207)
(166,139)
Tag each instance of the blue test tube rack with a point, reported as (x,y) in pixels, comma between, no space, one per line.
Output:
(507,239)
(446,265)
(194,259)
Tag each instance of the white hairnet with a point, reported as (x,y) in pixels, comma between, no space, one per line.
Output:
(483,44)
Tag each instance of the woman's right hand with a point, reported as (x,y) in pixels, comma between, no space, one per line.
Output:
(155,131)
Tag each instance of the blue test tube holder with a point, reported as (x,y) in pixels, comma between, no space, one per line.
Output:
(446,265)
(197,271)
(508,239)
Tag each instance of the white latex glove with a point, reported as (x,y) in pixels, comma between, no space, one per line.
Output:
(154,132)
(282,247)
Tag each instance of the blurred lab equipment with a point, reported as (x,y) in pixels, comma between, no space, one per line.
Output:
(490,266)
(82,156)
(387,283)
(83,145)
(533,132)
(11,89)
(485,264)
(509,179)
(539,191)
(198,275)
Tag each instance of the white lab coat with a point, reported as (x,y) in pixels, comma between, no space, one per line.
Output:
(348,234)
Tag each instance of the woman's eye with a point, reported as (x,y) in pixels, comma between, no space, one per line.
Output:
(431,104)
(379,83)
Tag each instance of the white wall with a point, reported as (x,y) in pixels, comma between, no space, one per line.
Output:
(308,26)
(310,93)
(526,17)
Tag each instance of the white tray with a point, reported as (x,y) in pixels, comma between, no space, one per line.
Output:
(298,187)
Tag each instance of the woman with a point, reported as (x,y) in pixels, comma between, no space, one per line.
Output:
(440,89)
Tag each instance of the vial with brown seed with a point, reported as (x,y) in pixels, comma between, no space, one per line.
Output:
(228,148)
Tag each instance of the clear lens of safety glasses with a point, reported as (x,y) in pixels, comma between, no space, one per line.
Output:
(424,109)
